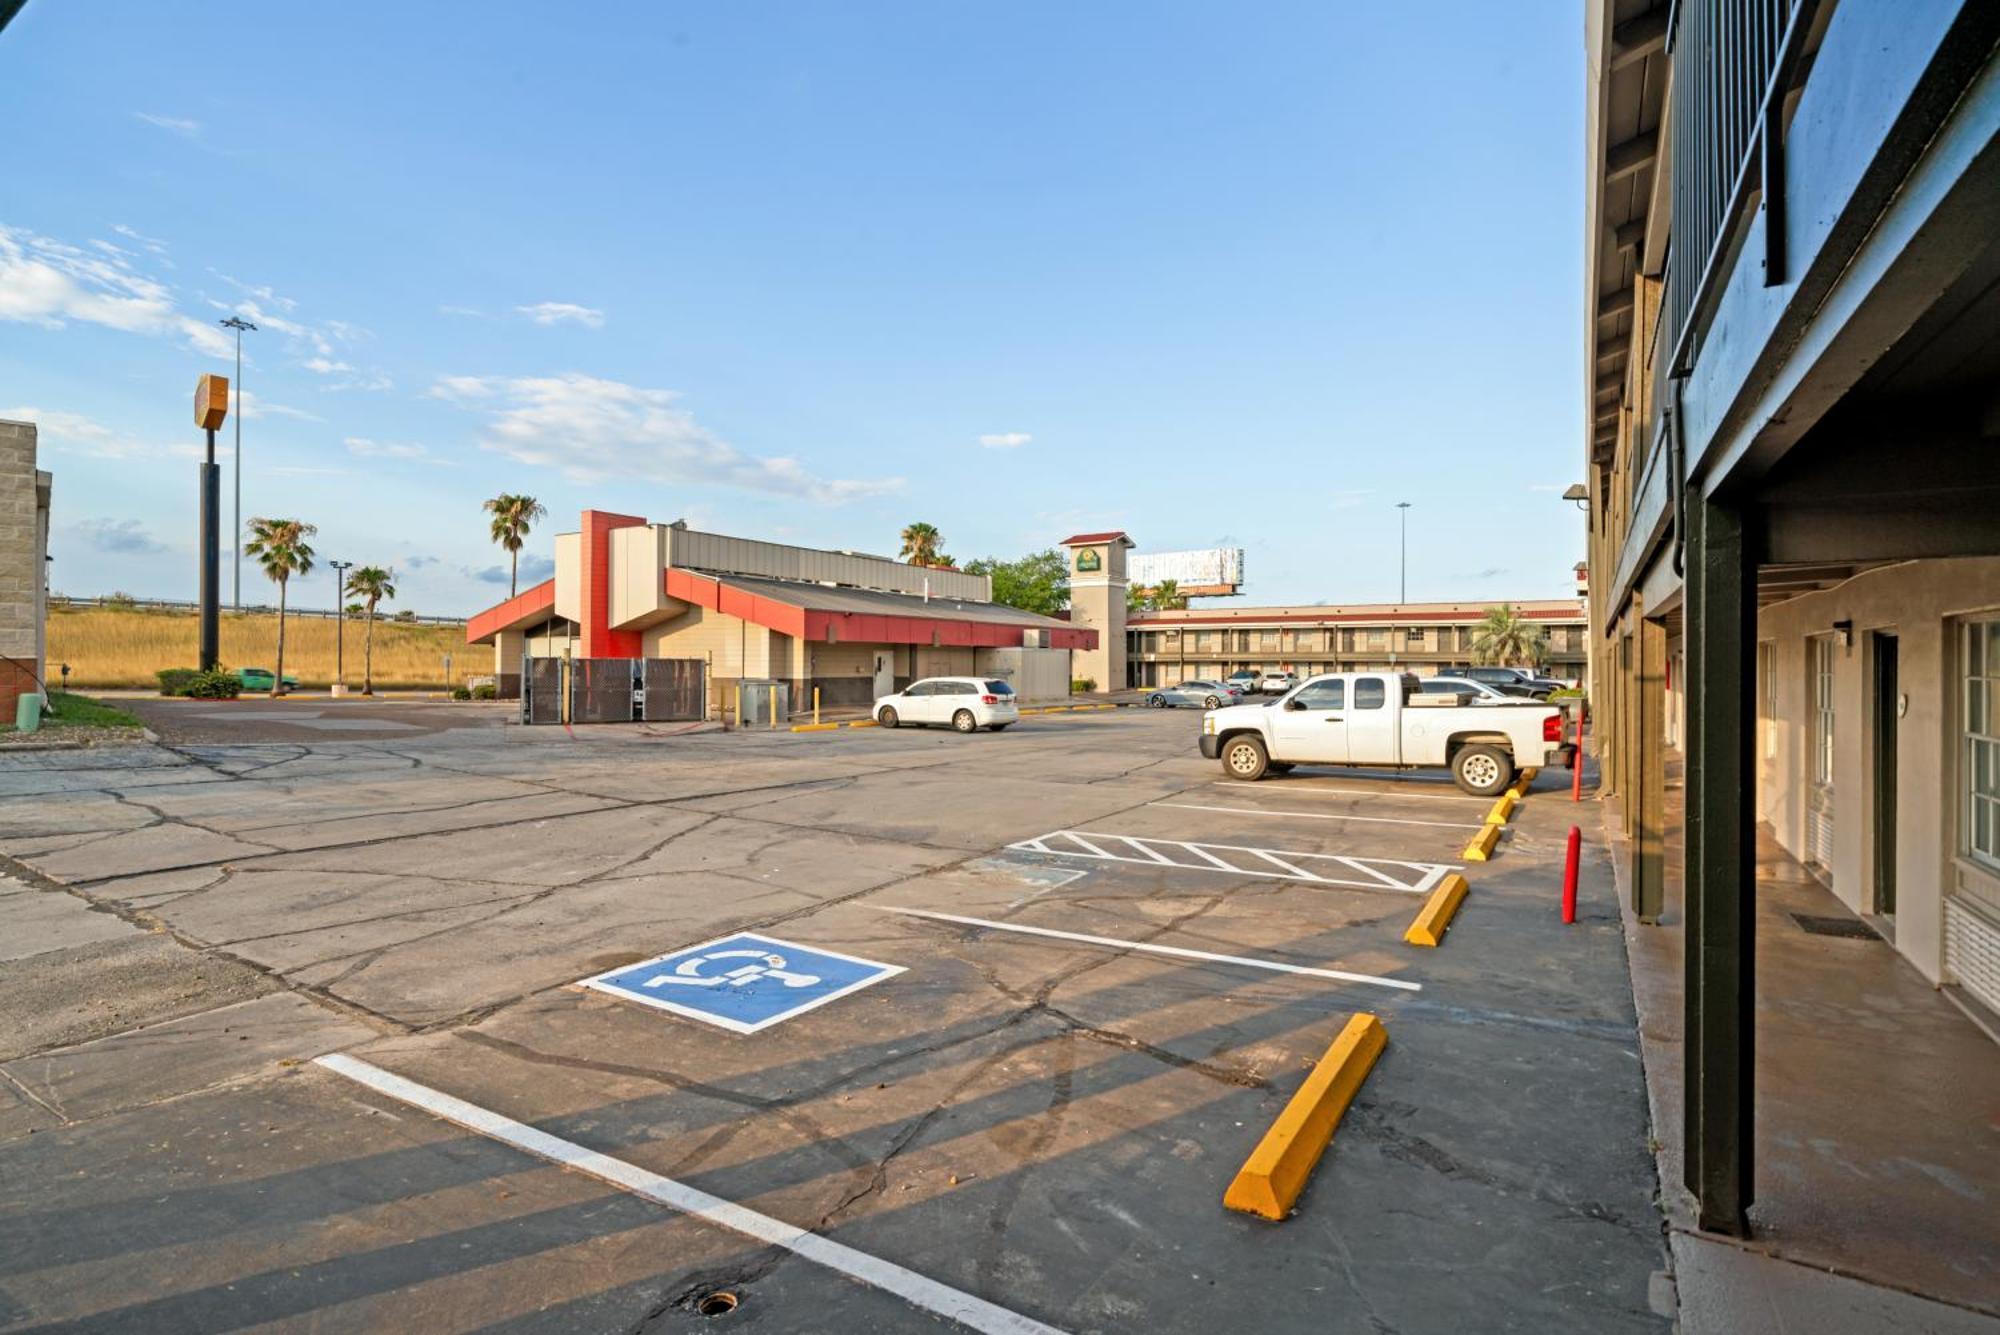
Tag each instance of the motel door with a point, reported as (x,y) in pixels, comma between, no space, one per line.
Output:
(885,674)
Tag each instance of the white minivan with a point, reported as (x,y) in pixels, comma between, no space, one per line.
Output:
(965,703)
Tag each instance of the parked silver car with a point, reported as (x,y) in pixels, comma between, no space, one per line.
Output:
(1200,693)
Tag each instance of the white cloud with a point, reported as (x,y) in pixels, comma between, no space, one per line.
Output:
(591,429)
(1005,440)
(375,449)
(1350,500)
(462,310)
(153,244)
(120,537)
(70,433)
(178,124)
(49,283)
(321,366)
(563,312)
(254,408)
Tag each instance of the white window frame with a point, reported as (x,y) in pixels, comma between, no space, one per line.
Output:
(1819,701)
(1978,732)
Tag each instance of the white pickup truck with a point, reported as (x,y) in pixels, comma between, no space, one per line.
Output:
(1383,719)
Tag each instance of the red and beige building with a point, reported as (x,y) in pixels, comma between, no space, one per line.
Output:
(849,625)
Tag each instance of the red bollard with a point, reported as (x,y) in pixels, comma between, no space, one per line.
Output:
(1569,873)
(1576,765)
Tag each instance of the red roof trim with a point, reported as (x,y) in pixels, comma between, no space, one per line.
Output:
(525,607)
(1091,537)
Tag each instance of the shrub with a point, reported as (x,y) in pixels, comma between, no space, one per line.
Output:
(217,685)
(405,615)
(123,601)
(461,693)
(485,690)
(1566,693)
(175,681)
(1082,685)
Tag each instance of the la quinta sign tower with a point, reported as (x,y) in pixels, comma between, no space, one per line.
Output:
(1097,585)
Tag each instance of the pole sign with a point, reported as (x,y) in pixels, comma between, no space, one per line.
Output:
(742,983)
(211,401)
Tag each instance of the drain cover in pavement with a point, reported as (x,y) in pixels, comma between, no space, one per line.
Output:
(1826,926)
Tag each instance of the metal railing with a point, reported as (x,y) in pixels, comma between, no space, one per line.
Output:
(1733,62)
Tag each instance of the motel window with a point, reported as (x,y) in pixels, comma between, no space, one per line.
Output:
(1822,710)
(1767,695)
(1980,780)
(1416,640)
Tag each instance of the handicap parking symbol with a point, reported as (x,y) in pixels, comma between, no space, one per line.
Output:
(742,983)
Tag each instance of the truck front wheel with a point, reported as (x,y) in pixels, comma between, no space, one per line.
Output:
(1483,771)
(1245,758)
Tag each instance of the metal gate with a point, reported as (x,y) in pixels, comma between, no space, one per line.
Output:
(673,688)
(541,690)
(613,690)
(601,690)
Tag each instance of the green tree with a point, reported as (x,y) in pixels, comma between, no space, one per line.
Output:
(513,516)
(371,584)
(1038,582)
(281,548)
(1506,637)
(921,545)
(1166,596)
(1138,598)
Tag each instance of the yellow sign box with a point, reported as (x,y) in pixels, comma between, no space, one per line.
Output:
(211,401)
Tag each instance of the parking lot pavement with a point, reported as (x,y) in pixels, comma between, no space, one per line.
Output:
(308,718)
(1106,973)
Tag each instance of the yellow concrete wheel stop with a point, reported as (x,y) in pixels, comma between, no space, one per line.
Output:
(1503,808)
(1482,845)
(1436,914)
(1276,1171)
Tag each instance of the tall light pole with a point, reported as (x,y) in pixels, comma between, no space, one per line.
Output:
(211,405)
(1403,593)
(239,324)
(340,569)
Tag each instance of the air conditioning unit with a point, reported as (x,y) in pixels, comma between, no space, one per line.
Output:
(1036,637)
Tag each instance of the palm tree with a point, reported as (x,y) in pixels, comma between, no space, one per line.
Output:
(371,584)
(1138,598)
(1166,596)
(513,516)
(1505,636)
(280,547)
(920,545)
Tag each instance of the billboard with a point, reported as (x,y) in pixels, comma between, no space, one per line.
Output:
(1210,572)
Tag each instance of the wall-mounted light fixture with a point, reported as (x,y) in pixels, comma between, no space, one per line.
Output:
(1844,630)
(1580,494)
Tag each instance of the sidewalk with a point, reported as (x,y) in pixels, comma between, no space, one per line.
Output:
(1877,1131)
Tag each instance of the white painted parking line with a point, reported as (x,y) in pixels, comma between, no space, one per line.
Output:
(1179,952)
(927,1294)
(1323,815)
(1294,787)
(1416,878)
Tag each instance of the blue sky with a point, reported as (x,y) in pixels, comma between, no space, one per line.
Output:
(1243,274)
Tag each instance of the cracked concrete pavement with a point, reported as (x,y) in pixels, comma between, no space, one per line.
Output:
(1045,1123)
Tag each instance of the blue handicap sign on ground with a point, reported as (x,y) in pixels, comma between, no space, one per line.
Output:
(744,982)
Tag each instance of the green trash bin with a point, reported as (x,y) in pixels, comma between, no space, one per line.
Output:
(28,712)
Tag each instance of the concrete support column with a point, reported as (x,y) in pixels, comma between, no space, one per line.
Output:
(1648,788)
(1720,866)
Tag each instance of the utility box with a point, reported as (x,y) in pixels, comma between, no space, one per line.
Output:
(766,704)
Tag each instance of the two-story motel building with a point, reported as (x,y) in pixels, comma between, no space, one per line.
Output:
(1792,398)
(1209,642)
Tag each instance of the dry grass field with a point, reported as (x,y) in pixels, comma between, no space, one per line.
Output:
(113,647)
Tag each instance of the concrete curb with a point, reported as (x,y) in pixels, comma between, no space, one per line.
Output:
(1276,1171)
(1435,916)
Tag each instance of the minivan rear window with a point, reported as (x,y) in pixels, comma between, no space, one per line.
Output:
(998,688)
